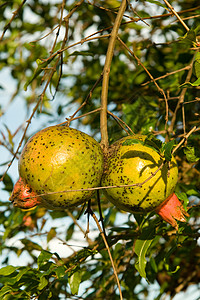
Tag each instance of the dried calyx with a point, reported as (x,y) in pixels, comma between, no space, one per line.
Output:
(171,210)
(23,196)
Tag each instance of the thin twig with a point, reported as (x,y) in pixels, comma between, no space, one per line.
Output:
(77,224)
(23,136)
(59,26)
(100,212)
(85,101)
(84,40)
(135,12)
(175,13)
(15,13)
(152,78)
(181,99)
(108,249)
(192,101)
(119,121)
(166,75)
(28,123)
(184,139)
(81,116)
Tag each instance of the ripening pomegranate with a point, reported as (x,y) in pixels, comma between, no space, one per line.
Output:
(56,159)
(132,162)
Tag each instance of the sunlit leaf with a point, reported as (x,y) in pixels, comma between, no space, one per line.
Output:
(74,282)
(43,283)
(5,271)
(142,245)
(41,66)
(167,149)
(132,141)
(197,65)
(191,155)
(189,37)
(43,258)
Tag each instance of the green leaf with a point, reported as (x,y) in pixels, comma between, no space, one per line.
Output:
(5,271)
(157,3)
(132,141)
(197,65)
(60,271)
(168,269)
(70,231)
(43,283)
(189,38)
(167,265)
(51,234)
(82,53)
(139,218)
(8,183)
(182,196)
(30,246)
(192,192)
(167,148)
(191,154)
(152,142)
(10,136)
(43,258)
(142,244)
(153,264)
(74,282)
(22,271)
(41,66)
(5,290)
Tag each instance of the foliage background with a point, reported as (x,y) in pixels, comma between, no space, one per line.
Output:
(52,59)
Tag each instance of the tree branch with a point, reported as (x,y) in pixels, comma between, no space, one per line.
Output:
(108,249)
(106,72)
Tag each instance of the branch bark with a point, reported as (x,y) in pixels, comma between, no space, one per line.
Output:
(106,73)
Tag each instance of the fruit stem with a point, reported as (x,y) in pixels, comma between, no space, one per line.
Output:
(171,210)
(106,72)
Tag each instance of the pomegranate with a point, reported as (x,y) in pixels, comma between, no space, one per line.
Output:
(56,159)
(152,180)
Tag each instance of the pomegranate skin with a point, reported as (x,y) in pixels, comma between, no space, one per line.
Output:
(171,210)
(131,162)
(58,166)
(23,196)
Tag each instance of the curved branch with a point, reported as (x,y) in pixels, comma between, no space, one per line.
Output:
(106,72)
(109,253)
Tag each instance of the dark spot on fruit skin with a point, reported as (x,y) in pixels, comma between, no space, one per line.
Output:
(78,141)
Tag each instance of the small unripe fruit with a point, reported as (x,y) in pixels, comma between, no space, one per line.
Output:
(58,159)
